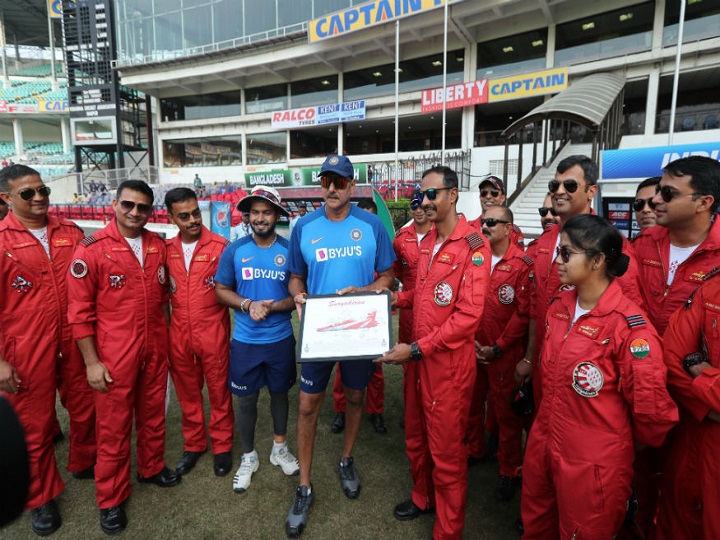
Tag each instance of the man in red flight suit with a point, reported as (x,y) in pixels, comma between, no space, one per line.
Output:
(448,299)
(692,356)
(572,192)
(199,334)
(35,339)
(119,312)
(500,344)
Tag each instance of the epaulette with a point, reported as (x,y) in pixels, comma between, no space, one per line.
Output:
(635,320)
(527,259)
(88,240)
(475,240)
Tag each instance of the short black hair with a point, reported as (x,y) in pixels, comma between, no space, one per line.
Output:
(506,213)
(13,172)
(177,195)
(648,182)
(594,235)
(704,175)
(367,204)
(450,178)
(590,169)
(136,185)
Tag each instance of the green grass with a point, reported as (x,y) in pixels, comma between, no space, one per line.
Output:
(204,506)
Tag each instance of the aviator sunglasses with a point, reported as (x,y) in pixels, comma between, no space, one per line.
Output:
(491,222)
(543,211)
(128,206)
(667,193)
(414,204)
(431,193)
(492,192)
(185,216)
(28,193)
(639,204)
(571,186)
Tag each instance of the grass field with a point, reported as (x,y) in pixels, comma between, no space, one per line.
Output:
(204,506)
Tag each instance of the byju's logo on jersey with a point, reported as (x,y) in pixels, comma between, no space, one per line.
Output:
(326,254)
(250,273)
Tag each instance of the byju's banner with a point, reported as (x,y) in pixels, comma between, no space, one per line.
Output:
(647,162)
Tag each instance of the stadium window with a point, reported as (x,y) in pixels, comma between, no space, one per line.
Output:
(266,148)
(313,142)
(702,20)
(273,97)
(698,101)
(604,35)
(202,152)
(521,53)
(416,74)
(315,91)
(195,107)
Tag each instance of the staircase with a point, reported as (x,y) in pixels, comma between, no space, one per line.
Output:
(525,206)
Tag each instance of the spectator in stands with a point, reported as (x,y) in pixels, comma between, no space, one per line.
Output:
(302,210)
(4,163)
(242,230)
(199,186)
(75,198)
(3,209)
(644,207)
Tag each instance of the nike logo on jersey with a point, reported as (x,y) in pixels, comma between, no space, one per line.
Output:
(316,240)
(244,260)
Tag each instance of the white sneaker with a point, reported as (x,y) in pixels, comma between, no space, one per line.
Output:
(283,458)
(248,465)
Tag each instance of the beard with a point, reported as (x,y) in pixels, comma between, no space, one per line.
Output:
(264,234)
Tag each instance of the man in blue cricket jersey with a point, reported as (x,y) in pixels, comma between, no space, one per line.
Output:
(337,249)
(252,278)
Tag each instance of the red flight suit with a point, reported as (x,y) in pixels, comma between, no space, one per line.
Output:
(504,322)
(447,302)
(199,347)
(119,303)
(548,285)
(36,340)
(652,251)
(375,396)
(604,389)
(690,496)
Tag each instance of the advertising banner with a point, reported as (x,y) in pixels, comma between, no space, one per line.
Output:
(296,177)
(539,83)
(319,115)
(456,96)
(220,220)
(647,162)
(366,15)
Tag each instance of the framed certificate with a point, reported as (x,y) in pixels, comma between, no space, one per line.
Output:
(349,327)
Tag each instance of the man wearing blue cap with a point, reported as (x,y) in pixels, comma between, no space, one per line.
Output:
(337,249)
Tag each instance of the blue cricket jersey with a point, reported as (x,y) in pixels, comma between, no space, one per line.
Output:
(260,274)
(338,254)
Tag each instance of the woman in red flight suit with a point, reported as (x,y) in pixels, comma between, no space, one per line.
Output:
(603,391)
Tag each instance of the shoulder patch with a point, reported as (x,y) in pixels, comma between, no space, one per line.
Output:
(475,240)
(88,240)
(635,320)
(527,259)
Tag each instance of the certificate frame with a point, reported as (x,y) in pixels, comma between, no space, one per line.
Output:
(358,324)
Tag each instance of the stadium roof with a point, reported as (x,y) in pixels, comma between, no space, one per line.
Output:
(26,23)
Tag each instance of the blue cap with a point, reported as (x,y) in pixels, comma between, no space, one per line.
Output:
(339,165)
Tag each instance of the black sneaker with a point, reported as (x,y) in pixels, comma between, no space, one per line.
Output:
(349,479)
(505,489)
(298,515)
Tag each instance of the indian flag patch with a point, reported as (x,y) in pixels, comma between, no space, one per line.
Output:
(639,348)
(477,258)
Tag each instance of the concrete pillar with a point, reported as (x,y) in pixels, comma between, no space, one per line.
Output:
(658,24)
(550,51)
(651,101)
(65,130)
(18,137)
(467,141)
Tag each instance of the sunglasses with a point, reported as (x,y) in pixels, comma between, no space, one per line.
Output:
(571,186)
(338,181)
(28,193)
(431,193)
(564,252)
(491,192)
(128,206)
(667,193)
(543,211)
(491,222)
(185,216)
(414,204)
(639,204)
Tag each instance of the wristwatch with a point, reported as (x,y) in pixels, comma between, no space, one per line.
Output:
(497,351)
(693,359)
(415,352)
